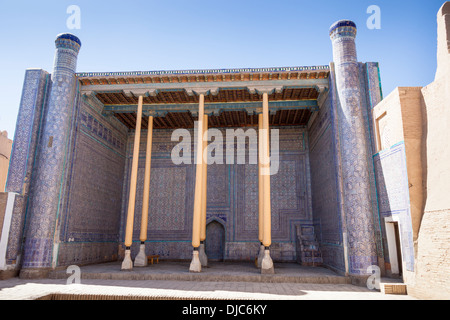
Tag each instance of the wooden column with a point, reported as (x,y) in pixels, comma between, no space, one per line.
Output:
(202,254)
(260,193)
(260,183)
(267,236)
(266,263)
(127,264)
(141,258)
(204,178)
(196,224)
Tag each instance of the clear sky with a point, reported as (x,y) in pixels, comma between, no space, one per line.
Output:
(202,34)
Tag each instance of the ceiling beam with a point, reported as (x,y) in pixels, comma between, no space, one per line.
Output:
(214,108)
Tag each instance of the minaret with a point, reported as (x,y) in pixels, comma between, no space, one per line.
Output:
(353,153)
(40,248)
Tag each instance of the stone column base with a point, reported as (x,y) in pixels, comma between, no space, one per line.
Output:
(260,257)
(8,274)
(267,263)
(34,273)
(202,255)
(196,265)
(359,280)
(141,259)
(127,263)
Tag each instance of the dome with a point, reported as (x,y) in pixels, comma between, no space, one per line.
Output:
(342,23)
(68,36)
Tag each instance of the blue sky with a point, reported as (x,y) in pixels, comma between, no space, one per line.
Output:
(202,34)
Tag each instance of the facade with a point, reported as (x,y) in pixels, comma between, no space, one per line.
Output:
(412,134)
(93,180)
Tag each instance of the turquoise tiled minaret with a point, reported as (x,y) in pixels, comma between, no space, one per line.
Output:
(47,189)
(354,155)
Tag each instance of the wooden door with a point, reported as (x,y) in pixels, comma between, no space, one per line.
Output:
(215,241)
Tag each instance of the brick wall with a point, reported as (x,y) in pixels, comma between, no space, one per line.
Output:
(5,154)
(3,201)
(418,118)
(432,278)
(426,126)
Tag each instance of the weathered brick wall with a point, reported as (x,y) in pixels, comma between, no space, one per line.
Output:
(398,123)
(5,154)
(3,201)
(432,278)
(443,51)
(432,261)
(419,117)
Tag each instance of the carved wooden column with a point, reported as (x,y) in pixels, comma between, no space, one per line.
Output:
(196,224)
(266,263)
(141,258)
(127,263)
(202,254)
(260,196)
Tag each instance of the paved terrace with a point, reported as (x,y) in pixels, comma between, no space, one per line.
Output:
(171,281)
(217,271)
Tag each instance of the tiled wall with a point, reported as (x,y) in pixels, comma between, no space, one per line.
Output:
(393,197)
(324,187)
(29,121)
(232,199)
(90,219)
(32,110)
(355,153)
(53,153)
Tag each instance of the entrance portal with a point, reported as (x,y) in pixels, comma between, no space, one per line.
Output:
(215,241)
(394,247)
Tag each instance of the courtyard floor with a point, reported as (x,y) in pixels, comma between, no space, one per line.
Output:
(172,281)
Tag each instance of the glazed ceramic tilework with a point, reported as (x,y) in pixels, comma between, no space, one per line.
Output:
(354,152)
(45,200)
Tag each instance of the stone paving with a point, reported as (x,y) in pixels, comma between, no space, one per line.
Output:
(17,289)
(21,289)
(216,271)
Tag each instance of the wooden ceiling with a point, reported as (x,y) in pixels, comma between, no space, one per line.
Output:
(224,96)
(108,90)
(176,120)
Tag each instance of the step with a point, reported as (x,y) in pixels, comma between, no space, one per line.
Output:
(393,288)
(284,273)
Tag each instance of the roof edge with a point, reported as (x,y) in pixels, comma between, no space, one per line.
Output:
(200,71)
